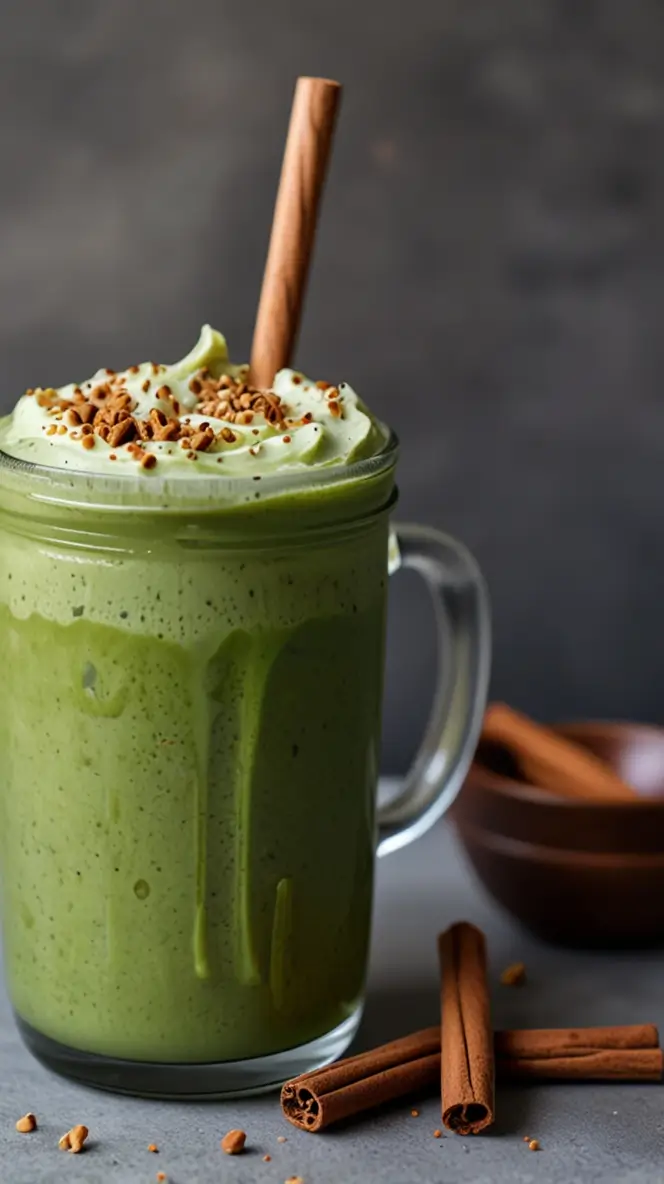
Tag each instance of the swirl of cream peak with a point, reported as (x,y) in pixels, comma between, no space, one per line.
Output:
(196,417)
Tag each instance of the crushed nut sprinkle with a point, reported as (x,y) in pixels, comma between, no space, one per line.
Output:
(437,1134)
(514,975)
(26,1124)
(233,1142)
(74,1139)
(153,1147)
(107,410)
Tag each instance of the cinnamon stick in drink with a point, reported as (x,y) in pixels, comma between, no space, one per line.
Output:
(467,1058)
(551,761)
(306,155)
(411,1065)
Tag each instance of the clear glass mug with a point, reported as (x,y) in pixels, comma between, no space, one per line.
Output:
(190,725)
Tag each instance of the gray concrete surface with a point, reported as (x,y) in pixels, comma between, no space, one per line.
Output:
(608,1133)
(490,273)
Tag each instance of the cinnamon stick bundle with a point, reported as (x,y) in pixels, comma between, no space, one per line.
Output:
(402,1067)
(413,1065)
(467,1058)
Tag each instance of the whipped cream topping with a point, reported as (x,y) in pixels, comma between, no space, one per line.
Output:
(197,416)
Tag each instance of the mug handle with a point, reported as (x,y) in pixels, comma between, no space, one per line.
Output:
(463,627)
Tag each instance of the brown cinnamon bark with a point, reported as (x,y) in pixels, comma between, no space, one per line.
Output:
(405,1066)
(552,762)
(542,1043)
(467,1061)
(606,1064)
(412,1065)
(308,145)
(623,1053)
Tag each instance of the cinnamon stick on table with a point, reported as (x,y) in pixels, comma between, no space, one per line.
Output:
(412,1065)
(395,1070)
(467,1059)
(629,1053)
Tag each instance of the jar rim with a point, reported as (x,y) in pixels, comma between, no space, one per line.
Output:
(80,488)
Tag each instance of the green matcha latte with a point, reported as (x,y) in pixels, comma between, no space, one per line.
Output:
(192,604)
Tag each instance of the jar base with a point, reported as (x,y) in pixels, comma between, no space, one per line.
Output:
(223,1079)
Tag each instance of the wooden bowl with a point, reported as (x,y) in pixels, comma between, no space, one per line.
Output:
(574,873)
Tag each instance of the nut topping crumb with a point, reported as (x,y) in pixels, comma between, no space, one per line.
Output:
(233,1143)
(74,1139)
(514,975)
(26,1124)
(201,440)
(152,1147)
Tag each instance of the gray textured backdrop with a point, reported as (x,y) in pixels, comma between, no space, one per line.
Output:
(489,273)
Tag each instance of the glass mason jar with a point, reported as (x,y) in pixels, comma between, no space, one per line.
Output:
(190,729)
